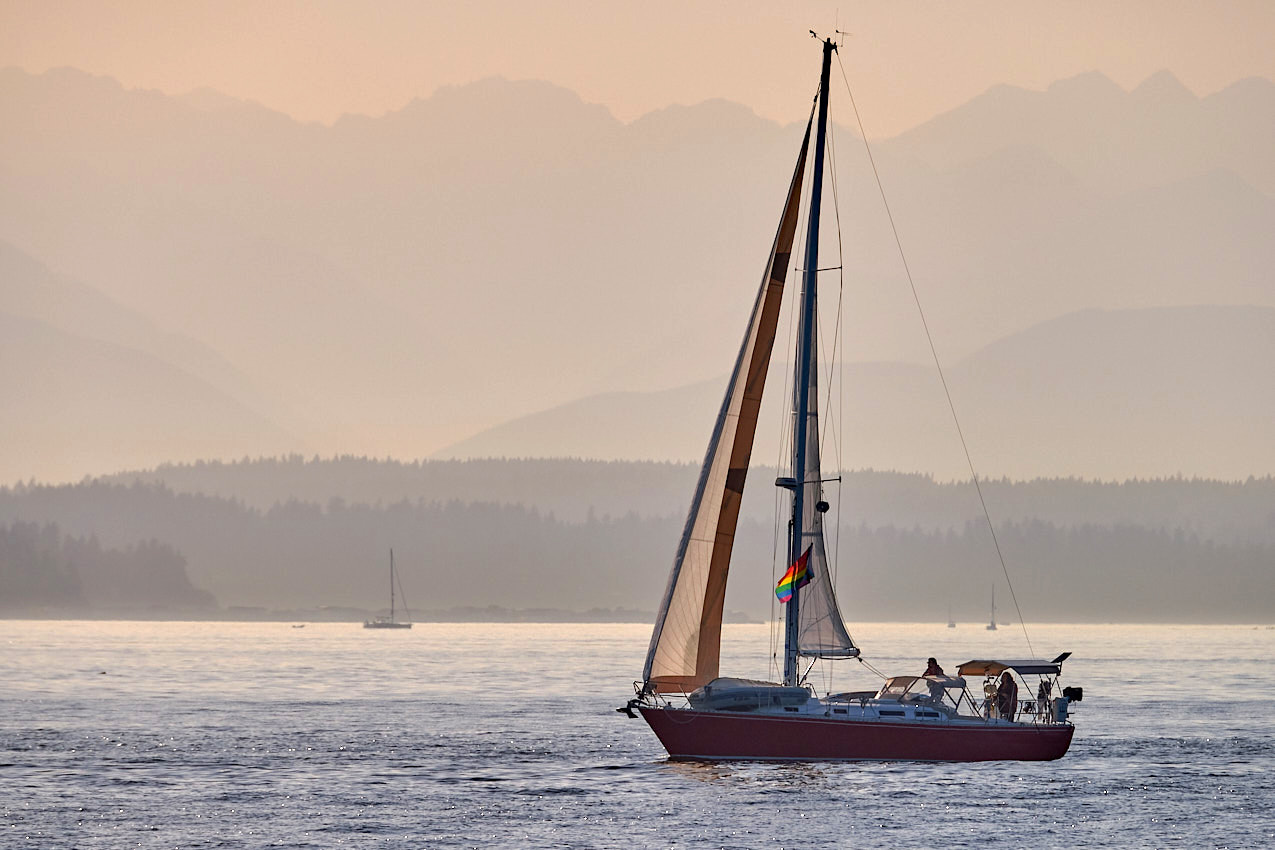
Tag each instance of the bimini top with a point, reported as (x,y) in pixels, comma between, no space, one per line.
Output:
(1022,668)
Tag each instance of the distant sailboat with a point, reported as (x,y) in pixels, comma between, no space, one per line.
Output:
(389,622)
(951,624)
(991,626)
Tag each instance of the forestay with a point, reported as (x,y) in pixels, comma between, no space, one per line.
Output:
(686,644)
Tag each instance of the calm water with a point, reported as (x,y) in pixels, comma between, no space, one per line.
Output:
(251,735)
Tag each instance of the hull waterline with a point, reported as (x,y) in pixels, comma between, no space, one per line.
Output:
(726,736)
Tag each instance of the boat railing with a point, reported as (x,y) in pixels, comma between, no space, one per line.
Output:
(1038,712)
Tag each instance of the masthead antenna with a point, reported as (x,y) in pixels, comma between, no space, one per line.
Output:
(831,41)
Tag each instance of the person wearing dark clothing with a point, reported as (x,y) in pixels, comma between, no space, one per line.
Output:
(1007,696)
(933,668)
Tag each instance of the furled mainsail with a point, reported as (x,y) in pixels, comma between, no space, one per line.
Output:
(686,644)
(820,631)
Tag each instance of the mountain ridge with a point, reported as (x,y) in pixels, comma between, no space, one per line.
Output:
(1011,385)
(401,284)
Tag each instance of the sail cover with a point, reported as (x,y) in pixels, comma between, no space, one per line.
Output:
(821,631)
(686,644)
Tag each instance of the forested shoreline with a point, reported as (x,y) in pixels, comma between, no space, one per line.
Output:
(557,539)
(43,570)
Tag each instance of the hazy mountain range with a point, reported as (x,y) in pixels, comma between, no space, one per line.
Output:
(1125,393)
(198,276)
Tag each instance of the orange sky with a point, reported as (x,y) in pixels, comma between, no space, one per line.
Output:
(907,60)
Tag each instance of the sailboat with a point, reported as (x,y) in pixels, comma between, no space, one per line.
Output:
(389,622)
(991,624)
(951,624)
(698,714)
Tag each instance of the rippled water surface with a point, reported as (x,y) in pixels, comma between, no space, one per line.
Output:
(252,735)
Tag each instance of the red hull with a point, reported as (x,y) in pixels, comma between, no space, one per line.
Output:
(718,736)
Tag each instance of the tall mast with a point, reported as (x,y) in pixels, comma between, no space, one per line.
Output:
(391,585)
(801,393)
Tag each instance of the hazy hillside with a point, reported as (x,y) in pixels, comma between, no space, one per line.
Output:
(1129,393)
(404,282)
(303,554)
(77,400)
(92,384)
(30,290)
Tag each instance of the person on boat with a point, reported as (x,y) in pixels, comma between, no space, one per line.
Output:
(932,668)
(1007,696)
(1044,694)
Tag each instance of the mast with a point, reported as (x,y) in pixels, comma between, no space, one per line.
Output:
(805,348)
(391,585)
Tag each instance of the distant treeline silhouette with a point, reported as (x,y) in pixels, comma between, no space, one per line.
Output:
(1171,550)
(44,570)
(572,489)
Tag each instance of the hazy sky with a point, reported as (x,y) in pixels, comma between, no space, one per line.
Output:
(908,60)
(503,201)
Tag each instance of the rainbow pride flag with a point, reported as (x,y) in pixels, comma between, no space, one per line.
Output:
(798,575)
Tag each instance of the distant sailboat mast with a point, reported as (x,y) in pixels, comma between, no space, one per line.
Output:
(396,590)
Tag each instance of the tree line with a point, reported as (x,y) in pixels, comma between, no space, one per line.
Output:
(43,570)
(572,489)
(454,554)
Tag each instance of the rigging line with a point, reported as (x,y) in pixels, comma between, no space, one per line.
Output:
(836,333)
(777,523)
(841,372)
(774,558)
(865,663)
(802,680)
(838,369)
(834,371)
(403,596)
(791,293)
(935,354)
(784,446)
